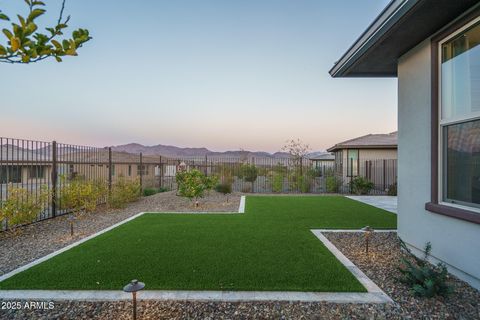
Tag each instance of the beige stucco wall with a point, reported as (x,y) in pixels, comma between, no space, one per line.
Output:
(455,242)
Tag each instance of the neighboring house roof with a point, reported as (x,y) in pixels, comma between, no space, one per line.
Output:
(9,152)
(370,141)
(322,157)
(400,26)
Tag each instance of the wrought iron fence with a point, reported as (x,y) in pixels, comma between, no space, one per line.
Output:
(40,166)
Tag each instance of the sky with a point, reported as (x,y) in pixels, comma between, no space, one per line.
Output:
(220,74)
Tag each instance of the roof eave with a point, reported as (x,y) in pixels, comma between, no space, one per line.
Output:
(394,11)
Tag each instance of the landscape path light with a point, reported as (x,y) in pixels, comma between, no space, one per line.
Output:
(71,219)
(133,287)
(368,231)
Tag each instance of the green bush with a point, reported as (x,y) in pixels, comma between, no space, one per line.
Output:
(333,183)
(123,192)
(277,183)
(163,189)
(360,185)
(149,192)
(193,184)
(304,183)
(425,279)
(22,206)
(224,188)
(80,194)
(392,189)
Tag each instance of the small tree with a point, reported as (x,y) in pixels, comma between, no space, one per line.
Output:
(297,151)
(248,172)
(193,184)
(25,45)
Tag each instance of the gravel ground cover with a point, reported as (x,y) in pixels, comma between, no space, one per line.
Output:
(39,239)
(380,266)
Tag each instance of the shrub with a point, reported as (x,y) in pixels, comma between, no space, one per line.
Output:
(360,185)
(333,183)
(123,192)
(224,188)
(22,206)
(392,189)
(305,184)
(163,189)
(79,194)
(193,184)
(277,184)
(149,192)
(425,279)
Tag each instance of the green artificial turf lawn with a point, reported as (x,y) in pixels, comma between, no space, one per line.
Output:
(270,247)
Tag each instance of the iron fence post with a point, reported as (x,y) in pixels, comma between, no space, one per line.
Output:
(160,173)
(54,178)
(141,172)
(110,170)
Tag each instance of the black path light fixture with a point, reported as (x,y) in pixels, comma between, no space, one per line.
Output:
(71,219)
(134,286)
(368,231)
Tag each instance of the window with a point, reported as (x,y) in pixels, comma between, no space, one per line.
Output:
(36,172)
(129,170)
(339,162)
(459,110)
(352,162)
(10,174)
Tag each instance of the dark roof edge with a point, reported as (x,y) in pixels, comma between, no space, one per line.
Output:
(392,13)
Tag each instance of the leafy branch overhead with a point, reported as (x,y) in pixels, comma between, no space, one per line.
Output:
(26,45)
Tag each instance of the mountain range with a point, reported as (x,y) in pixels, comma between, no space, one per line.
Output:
(173,151)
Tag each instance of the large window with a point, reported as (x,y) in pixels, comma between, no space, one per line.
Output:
(352,162)
(460,117)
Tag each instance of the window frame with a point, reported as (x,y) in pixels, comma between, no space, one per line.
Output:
(436,204)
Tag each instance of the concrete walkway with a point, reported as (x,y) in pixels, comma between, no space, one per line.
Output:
(388,203)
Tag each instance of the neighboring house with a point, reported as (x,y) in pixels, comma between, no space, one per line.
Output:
(433,47)
(22,166)
(322,161)
(373,156)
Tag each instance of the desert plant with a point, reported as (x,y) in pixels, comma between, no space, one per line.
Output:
(248,172)
(392,189)
(304,184)
(224,188)
(277,182)
(333,183)
(149,192)
(360,185)
(124,191)
(193,184)
(425,279)
(22,206)
(80,194)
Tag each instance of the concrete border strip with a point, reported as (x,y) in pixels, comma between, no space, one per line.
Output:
(371,287)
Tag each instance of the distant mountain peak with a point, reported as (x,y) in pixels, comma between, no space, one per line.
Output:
(174,151)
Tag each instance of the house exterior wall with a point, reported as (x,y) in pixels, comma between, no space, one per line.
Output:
(382,173)
(455,242)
